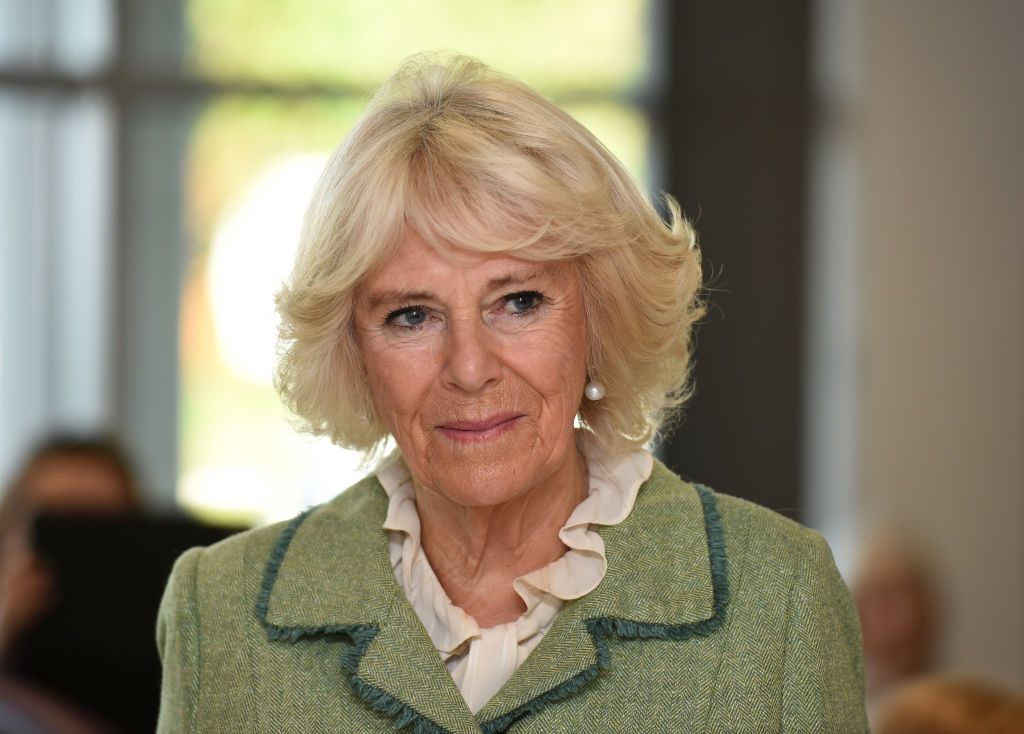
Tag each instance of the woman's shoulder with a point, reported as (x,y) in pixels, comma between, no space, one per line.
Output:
(235,566)
(786,612)
(222,591)
(767,532)
(738,518)
(761,552)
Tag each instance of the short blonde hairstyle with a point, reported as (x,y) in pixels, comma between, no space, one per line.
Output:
(469,158)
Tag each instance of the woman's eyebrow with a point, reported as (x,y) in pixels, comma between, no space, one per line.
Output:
(513,278)
(516,277)
(381,298)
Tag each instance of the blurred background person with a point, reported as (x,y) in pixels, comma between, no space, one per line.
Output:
(67,474)
(77,473)
(76,611)
(899,608)
(64,474)
(950,705)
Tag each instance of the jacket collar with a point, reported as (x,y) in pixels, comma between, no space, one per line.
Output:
(330,574)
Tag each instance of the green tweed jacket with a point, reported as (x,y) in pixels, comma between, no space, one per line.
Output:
(715,615)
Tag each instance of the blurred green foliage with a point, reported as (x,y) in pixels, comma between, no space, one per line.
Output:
(555,45)
(236,136)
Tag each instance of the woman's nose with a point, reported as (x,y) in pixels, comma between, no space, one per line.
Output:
(471,362)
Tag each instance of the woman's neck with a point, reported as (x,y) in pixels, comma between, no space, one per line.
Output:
(477,552)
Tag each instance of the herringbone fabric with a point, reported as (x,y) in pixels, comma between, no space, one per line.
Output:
(715,615)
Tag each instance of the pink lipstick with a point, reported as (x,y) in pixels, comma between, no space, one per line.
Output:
(480,430)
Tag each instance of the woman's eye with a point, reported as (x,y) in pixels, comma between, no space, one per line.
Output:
(407,318)
(520,303)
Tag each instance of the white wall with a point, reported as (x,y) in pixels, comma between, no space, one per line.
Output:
(940,134)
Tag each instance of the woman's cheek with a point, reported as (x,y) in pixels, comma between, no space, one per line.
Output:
(555,360)
(403,374)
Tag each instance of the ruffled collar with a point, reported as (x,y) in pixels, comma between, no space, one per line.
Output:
(614,484)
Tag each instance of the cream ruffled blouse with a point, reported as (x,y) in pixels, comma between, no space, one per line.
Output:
(480,660)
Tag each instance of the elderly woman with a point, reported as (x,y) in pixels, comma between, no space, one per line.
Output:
(480,279)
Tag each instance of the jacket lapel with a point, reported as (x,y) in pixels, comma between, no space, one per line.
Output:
(330,574)
(666,579)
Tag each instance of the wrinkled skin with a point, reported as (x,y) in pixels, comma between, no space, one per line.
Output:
(477,364)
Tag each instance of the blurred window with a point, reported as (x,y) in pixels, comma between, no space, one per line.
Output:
(208,122)
(56,221)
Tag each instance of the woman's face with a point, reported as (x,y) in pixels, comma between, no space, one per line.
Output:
(477,364)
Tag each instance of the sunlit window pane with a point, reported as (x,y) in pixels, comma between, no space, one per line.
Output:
(623,130)
(358,42)
(252,168)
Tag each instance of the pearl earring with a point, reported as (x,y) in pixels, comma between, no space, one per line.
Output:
(594,390)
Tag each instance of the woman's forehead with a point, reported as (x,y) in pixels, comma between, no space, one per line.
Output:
(415,261)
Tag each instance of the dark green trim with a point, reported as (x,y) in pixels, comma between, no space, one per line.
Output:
(601,628)
(559,692)
(361,636)
(403,714)
(719,585)
(270,572)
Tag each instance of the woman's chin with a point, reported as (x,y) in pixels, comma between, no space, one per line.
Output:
(486,485)
(484,473)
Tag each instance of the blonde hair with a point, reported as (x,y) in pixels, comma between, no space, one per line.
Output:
(469,158)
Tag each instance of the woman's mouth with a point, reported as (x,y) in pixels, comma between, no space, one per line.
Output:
(480,430)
